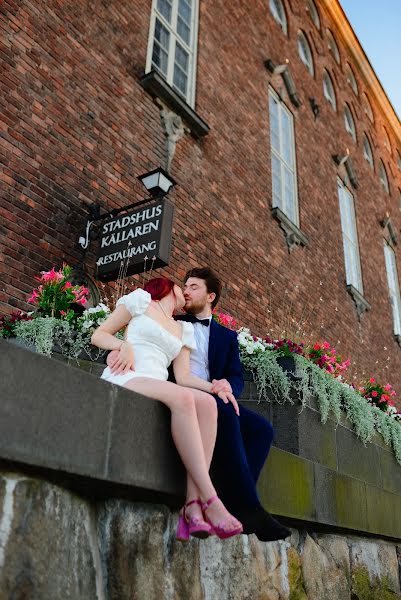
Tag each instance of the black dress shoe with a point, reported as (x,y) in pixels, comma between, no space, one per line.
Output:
(263,525)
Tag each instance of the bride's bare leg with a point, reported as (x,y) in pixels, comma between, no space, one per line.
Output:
(187,437)
(206,411)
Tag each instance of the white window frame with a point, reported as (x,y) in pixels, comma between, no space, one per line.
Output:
(367,107)
(305,52)
(278,13)
(333,46)
(349,122)
(352,261)
(282,203)
(351,80)
(393,286)
(384,177)
(387,142)
(328,90)
(192,48)
(314,13)
(367,151)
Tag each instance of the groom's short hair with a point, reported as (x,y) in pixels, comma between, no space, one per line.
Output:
(213,283)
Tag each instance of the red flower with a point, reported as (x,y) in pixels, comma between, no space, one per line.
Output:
(374,394)
(317,347)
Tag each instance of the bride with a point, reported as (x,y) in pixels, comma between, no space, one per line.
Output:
(154,340)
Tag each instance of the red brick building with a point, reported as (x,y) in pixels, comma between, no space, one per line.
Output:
(287,155)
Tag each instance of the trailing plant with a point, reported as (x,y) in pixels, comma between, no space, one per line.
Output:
(8,323)
(332,394)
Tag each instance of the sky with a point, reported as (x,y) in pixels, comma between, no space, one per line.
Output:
(377,25)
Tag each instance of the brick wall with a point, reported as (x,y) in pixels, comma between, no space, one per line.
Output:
(78,128)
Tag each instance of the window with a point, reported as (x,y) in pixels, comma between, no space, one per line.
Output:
(304,52)
(328,90)
(278,12)
(387,142)
(393,286)
(367,150)
(349,122)
(367,108)
(285,194)
(383,177)
(350,238)
(332,45)
(398,161)
(314,15)
(352,81)
(172,44)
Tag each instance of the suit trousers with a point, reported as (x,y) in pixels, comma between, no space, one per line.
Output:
(242,445)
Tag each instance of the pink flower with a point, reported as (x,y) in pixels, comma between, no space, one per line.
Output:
(67,285)
(62,313)
(326,345)
(330,368)
(385,398)
(372,380)
(33,298)
(374,394)
(81,300)
(52,275)
(388,387)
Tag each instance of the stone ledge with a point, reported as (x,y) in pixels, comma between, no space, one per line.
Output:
(57,420)
(157,86)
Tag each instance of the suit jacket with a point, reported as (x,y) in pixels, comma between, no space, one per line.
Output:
(224,362)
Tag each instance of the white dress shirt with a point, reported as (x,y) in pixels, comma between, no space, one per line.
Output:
(199,360)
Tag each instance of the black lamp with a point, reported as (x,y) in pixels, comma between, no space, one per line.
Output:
(157,182)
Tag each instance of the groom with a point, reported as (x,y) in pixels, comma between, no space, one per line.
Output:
(243,442)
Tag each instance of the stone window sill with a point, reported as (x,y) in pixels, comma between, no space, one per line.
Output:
(157,87)
(360,302)
(293,235)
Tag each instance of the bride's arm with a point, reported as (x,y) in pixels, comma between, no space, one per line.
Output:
(104,337)
(183,376)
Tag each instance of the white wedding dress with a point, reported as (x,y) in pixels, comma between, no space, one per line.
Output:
(154,347)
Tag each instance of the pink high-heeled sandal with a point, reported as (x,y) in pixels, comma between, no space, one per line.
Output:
(195,526)
(221,528)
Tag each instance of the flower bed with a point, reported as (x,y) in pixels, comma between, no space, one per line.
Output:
(60,319)
(320,374)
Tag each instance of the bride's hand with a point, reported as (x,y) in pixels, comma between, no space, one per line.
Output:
(123,361)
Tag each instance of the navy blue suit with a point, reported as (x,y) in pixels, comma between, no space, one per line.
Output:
(243,442)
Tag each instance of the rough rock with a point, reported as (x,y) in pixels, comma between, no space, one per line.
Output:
(56,545)
(48,544)
(379,559)
(325,568)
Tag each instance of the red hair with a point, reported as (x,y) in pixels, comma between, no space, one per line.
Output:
(159,287)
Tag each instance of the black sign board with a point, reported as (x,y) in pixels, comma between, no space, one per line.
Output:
(135,241)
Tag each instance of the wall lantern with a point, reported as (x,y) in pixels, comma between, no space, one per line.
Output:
(157,182)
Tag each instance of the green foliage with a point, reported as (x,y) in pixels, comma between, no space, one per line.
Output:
(363,589)
(46,333)
(332,395)
(295,578)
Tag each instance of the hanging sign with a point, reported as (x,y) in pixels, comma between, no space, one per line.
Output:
(133,242)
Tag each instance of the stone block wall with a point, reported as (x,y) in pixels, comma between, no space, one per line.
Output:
(57,545)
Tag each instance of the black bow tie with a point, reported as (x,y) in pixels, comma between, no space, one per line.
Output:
(193,319)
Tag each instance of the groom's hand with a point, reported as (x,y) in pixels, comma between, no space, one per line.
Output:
(221,385)
(228,397)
